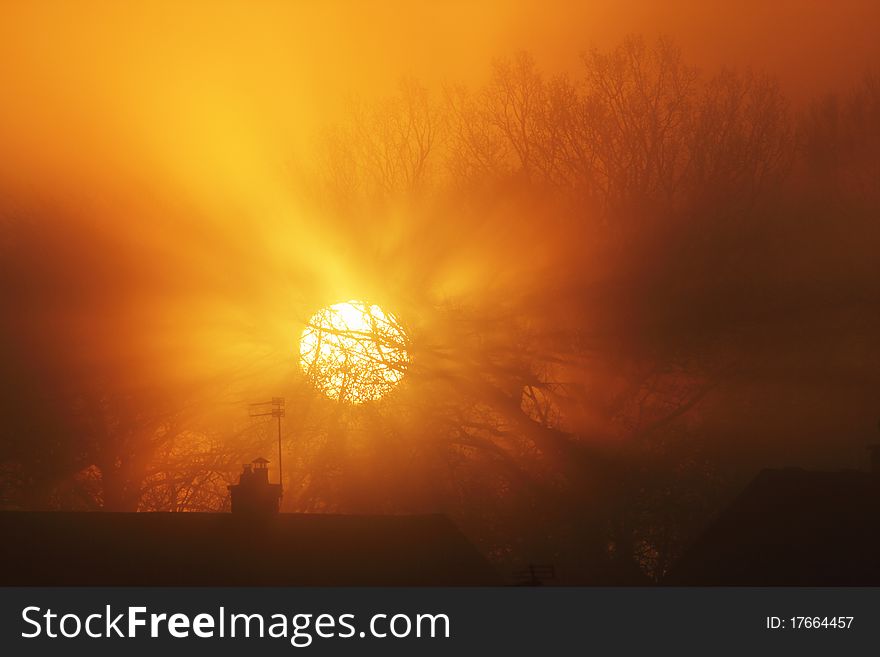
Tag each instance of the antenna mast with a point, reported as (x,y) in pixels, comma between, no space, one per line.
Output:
(277,411)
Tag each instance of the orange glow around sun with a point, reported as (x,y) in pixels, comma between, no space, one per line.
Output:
(354,352)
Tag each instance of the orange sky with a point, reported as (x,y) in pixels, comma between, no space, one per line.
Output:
(158,149)
(207,108)
(165,79)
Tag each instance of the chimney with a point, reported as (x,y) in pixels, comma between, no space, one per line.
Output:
(253,493)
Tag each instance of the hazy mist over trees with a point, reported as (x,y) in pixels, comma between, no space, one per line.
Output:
(626,288)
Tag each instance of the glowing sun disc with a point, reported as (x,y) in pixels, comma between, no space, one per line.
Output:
(353,351)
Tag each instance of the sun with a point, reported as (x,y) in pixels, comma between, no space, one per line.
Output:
(354,352)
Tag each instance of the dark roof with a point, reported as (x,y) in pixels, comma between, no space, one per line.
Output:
(791,527)
(196,549)
(260,459)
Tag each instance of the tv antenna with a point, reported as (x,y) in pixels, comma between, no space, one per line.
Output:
(274,408)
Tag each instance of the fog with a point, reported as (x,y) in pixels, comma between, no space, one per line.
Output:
(629,242)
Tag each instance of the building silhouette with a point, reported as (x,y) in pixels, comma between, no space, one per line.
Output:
(255,545)
(253,493)
(236,549)
(792,527)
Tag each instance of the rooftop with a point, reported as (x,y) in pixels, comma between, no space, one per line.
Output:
(791,527)
(223,549)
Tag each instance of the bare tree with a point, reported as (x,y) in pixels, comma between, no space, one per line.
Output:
(640,105)
(741,143)
(382,149)
(841,142)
